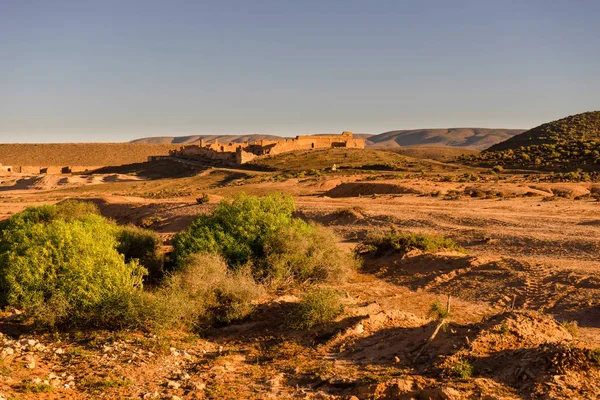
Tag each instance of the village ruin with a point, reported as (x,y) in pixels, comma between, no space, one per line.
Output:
(241,153)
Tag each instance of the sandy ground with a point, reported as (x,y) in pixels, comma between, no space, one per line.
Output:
(524,255)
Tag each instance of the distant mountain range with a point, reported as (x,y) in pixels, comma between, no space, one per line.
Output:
(473,138)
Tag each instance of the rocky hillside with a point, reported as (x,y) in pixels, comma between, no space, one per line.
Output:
(566,144)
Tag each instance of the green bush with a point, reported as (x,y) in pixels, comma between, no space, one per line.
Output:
(381,242)
(61,266)
(438,311)
(145,246)
(236,230)
(463,369)
(263,234)
(305,253)
(318,306)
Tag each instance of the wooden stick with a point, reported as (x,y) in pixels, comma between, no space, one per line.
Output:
(448,306)
(437,329)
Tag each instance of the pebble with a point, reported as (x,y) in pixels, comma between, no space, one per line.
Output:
(29,361)
(173,385)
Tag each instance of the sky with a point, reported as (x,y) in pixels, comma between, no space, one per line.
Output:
(116,70)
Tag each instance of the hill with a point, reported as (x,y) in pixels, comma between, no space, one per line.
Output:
(437,153)
(209,138)
(368,159)
(80,154)
(475,138)
(566,144)
(585,126)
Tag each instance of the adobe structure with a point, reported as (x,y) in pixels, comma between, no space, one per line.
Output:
(241,153)
(5,168)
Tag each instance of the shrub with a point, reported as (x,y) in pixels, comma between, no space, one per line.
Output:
(149,221)
(572,327)
(318,306)
(438,311)
(380,242)
(263,234)
(236,230)
(463,369)
(144,246)
(67,210)
(61,264)
(306,253)
(204,292)
(203,199)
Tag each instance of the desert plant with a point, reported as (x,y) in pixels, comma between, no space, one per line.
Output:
(572,327)
(236,230)
(203,293)
(304,253)
(264,234)
(438,311)
(62,267)
(149,221)
(463,369)
(144,246)
(318,306)
(203,199)
(381,242)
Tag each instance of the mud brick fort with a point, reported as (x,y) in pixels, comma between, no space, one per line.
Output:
(241,153)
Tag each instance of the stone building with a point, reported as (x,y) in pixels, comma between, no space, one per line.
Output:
(241,153)
(6,168)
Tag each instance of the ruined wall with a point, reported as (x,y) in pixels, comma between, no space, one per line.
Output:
(242,156)
(241,153)
(53,170)
(205,152)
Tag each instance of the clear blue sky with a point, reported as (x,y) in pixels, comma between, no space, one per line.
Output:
(114,70)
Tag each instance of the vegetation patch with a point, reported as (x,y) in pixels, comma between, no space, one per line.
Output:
(567,144)
(62,265)
(144,246)
(262,235)
(463,369)
(318,306)
(380,242)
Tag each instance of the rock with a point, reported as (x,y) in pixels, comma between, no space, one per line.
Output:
(449,393)
(59,351)
(359,328)
(7,351)
(29,361)
(173,385)
(153,395)
(197,385)
(175,397)
(398,387)
(28,342)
